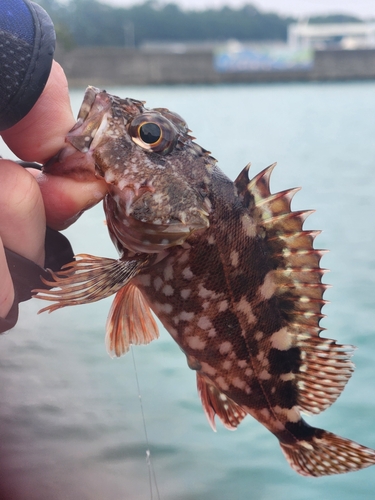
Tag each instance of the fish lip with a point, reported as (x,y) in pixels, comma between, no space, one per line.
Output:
(87,103)
(91,115)
(75,159)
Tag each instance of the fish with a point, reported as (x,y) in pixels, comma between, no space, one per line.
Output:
(227,267)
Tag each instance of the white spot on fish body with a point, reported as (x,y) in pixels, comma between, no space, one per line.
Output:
(242,363)
(267,289)
(158,197)
(206,368)
(204,293)
(240,384)
(265,413)
(304,300)
(264,375)
(227,365)
(308,315)
(291,415)
(204,323)
(167,308)
(211,240)
(245,307)
(234,258)
(168,272)
(222,306)
(187,274)
(281,339)
(187,330)
(122,183)
(185,293)
(158,282)
(258,335)
(260,356)
(195,342)
(249,226)
(286,377)
(225,347)
(248,372)
(109,176)
(168,290)
(220,381)
(186,316)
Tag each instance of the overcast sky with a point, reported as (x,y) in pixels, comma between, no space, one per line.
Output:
(296,8)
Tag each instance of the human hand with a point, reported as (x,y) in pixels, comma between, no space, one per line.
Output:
(29,199)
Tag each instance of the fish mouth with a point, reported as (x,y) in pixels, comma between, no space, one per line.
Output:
(75,158)
(91,117)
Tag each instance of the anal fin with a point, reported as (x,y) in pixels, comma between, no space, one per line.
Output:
(217,403)
(130,321)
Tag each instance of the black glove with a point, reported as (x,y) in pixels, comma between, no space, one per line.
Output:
(27,44)
(26,274)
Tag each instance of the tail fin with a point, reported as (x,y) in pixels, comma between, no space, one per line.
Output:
(327,454)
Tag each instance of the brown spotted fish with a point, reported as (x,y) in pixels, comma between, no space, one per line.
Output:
(226,267)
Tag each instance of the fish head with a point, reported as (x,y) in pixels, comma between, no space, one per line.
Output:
(158,178)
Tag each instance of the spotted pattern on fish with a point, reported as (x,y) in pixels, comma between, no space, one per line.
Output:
(226,266)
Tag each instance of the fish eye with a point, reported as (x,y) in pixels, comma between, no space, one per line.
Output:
(153,132)
(150,133)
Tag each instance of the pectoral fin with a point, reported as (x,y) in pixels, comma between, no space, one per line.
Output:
(130,321)
(88,279)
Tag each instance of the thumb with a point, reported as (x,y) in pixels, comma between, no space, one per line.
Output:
(41,133)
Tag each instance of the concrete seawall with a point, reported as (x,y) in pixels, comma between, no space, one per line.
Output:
(104,66)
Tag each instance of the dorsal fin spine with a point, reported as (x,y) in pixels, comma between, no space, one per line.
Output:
(325,366)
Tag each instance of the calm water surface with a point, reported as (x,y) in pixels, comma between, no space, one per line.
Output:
(70,418)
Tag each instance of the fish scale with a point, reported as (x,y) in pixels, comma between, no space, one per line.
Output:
(226,266)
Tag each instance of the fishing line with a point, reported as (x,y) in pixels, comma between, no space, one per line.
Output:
(150,465)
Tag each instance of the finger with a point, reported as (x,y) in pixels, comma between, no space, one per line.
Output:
(66,199)
(6,289)
(22,221)
(41,133)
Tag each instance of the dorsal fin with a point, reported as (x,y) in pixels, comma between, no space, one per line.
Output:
(325,367)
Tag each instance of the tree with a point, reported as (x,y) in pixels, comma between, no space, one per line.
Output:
(91,23)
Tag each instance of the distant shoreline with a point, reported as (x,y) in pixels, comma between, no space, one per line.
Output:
(110,66)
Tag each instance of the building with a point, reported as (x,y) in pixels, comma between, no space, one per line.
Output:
(330,36)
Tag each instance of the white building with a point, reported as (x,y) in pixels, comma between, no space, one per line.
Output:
(340,35)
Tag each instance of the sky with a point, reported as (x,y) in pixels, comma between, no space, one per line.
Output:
(296,8)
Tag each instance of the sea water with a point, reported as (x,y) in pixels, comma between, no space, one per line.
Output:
(71,425)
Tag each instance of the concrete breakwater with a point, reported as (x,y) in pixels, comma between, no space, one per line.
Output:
(105,66)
